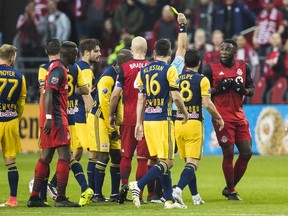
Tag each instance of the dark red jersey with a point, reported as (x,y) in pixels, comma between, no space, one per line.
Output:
(56,78)
(229,103)
(128,81)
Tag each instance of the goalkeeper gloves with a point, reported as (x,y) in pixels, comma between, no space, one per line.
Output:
(238,87)
(223,85)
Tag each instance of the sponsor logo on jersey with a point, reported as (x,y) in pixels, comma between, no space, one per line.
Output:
(221,73)
(104,146)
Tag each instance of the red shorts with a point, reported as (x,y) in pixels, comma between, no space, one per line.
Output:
(233,132)
(129,143)
(58,136)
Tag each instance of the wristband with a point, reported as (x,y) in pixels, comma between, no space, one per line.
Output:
(182,27)
(48,116)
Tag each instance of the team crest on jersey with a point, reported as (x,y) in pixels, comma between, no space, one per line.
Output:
(104,90)
(239,72)
(54,80)
(224,139)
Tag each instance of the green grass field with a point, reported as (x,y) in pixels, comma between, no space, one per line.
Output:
(263,189)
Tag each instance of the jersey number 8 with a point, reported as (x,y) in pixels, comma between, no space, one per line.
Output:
(185,91)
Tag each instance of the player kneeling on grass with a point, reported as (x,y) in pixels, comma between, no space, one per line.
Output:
(189,136)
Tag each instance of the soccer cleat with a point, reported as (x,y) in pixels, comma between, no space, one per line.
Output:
(142,201)
(64,202)
(113,198)
(36,202)
(123,194)
(156,199)
(133,187)
(233,196)
(52,191)
(86,196)
(174,205)
(197,200)
(177,194)
(225,191)
(99,198)
(9,203)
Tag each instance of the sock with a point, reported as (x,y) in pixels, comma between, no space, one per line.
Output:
(13,178)
(240,167)
(40,174)
(115,178)
(54,180)
(142,168)
(125,169)
(99,177)
(90,173)
(227,166)
(152,174)
(62,171)
(158,187)
(79,174)
(151,185)
(193,186)
(167,186)
(43,191)
(186,176)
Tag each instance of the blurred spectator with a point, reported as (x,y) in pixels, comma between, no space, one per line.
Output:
(286,59)
(95,18)
(152,12)
(274,65)
(200,43)
(247,53)
(56,24)
(80,16)
(110,38)
(41,8)
(284,11)
(202,16)
(111,7)
(268,21)
(128,18)
(232,18)
(253,5)
(27,39)
(166,26)
(214,55)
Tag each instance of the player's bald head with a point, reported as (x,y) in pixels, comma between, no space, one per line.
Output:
(139,44)
(123,56)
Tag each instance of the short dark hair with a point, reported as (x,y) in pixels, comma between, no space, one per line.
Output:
(89,44)
(69,44)
(231,41)
(53,46)
(163,47)
(192,58)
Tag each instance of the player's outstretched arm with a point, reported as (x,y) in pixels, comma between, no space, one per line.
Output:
(182,36)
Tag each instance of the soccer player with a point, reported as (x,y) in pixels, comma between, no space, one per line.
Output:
(231,80)
(107,137)
(156,82)
(195,90)
(12,101)
(127,82)
(54,132)
(90,50)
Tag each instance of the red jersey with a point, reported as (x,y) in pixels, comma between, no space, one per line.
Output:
(56,78)
(128,81)
(268,23)
(229,103)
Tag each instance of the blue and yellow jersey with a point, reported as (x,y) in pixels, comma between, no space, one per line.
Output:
(75,79)
(12,93)
(42,73)
(156,80)
(193,86)
(85,70)
(105,87)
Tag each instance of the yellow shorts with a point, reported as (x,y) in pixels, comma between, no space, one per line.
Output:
(189,138)
(103,141)
(85,133)
(73,138)
(10,138)
(160,138)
